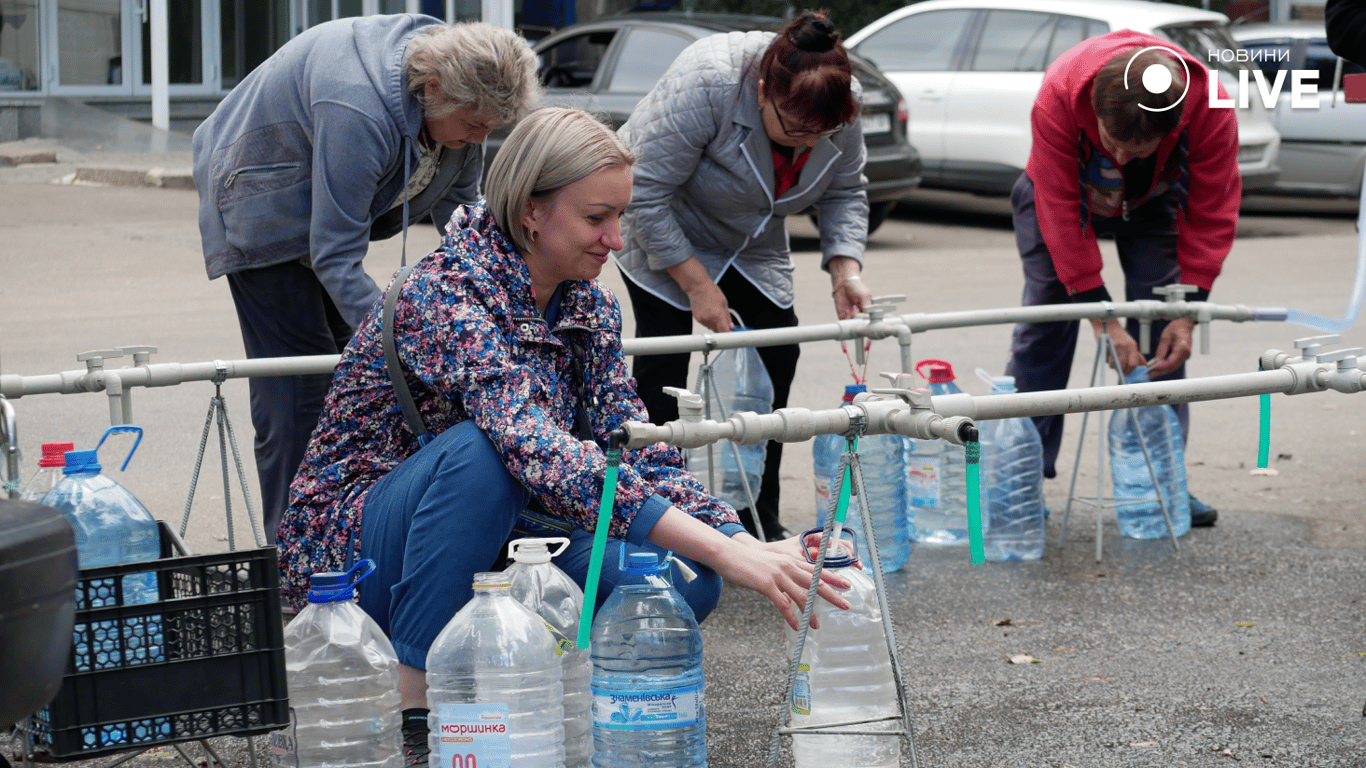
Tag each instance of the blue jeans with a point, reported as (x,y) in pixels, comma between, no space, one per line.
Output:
(445,514)
(1041,353)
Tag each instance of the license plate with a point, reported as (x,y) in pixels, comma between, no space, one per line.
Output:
(877,122)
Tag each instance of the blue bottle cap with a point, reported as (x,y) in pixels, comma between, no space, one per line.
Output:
(78,462)
(330,587)
(854,389)
(644,562)
(835,556)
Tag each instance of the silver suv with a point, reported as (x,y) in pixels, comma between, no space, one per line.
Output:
(970,70)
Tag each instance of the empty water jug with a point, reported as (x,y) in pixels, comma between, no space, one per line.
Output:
(1012,475)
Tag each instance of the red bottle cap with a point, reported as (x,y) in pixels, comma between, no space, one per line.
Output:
(54,454)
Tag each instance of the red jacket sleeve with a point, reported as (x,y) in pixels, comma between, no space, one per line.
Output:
(1054,169)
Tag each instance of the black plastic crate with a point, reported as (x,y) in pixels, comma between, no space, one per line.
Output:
(207,659)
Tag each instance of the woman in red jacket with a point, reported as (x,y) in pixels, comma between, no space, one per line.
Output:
(1154,167)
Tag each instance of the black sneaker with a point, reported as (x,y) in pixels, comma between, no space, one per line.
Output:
(1202,514)
(416,751)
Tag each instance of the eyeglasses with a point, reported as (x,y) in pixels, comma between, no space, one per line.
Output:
(801,134)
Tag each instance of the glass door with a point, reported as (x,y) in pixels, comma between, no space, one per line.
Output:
(19,67)
(87,47)
(189,69)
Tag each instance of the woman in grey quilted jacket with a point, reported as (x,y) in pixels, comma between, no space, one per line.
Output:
(743,130)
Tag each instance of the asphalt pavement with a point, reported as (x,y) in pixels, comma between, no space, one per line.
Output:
(1246,646)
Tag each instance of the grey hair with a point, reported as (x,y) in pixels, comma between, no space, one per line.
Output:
(550,149)
(489,69)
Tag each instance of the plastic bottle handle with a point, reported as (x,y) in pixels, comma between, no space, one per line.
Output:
(122,428)
(516,545)
(984,376)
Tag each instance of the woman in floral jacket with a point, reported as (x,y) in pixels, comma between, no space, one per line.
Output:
(489,330)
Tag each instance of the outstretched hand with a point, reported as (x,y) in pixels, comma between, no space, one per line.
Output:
(779,571)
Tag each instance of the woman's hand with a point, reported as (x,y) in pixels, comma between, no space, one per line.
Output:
(709,305)
(779,571)
(851,295)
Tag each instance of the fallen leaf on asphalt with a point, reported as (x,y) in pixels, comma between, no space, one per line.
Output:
(1284,456)
(1148,743)
(1247,623)
(1001,623)
(1065,649)
(1024,658)
(1227,753)
(1093,575)
(1092,677)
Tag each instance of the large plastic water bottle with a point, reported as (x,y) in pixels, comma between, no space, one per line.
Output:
(541,586)
(742,384)
(1129,471)
(49,472)
(112,528)
(343,682)
(648,686)
(937,475)
(1012,472)
(845,676)
(883,459)
(493,685)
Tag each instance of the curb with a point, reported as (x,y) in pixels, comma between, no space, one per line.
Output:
(166,178)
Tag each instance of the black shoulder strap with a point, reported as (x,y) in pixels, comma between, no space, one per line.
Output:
(405,397)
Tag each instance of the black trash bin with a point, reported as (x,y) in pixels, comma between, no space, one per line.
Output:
(38,573)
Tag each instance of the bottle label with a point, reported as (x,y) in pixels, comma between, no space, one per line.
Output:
(646,710)
(801,691)
(284,744)
(923,474)
(563,644)
(474,736)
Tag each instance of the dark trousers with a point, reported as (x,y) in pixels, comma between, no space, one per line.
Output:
(446,513)
(655,317)
(1041,353)
(285,312)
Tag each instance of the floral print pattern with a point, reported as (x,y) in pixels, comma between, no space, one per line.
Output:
(473,346)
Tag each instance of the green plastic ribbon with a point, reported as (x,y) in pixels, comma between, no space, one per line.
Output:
(1264,443)
(590,587)
(974,453)
(842,509)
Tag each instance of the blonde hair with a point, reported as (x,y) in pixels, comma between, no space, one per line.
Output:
(550,149)
(478,66)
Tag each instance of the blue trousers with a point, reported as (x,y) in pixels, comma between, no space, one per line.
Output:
(284,311)
(1041,353)
(445,514)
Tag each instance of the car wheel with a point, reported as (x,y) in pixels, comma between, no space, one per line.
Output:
(877,213)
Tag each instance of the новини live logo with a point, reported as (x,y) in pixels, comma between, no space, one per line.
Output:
(1303,89)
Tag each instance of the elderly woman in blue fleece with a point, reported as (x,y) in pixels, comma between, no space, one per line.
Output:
(511,350)
(350,132)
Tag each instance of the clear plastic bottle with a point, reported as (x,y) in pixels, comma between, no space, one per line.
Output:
(1012,483)
(493,676)
(937,475)
(883,459)
(342,674)
(1129,471)
(845,675)
(49,471)
(541,586)
(648,686)
(112,528)
(743,384)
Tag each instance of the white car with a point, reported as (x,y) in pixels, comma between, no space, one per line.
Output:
(1322,149)
(970,70)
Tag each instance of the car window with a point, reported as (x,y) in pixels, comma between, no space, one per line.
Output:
(573,62)
(1013,41)
(1271,54)
(644,57)
(1210,43)
(921,42)
(1318,56)
(1071,30)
